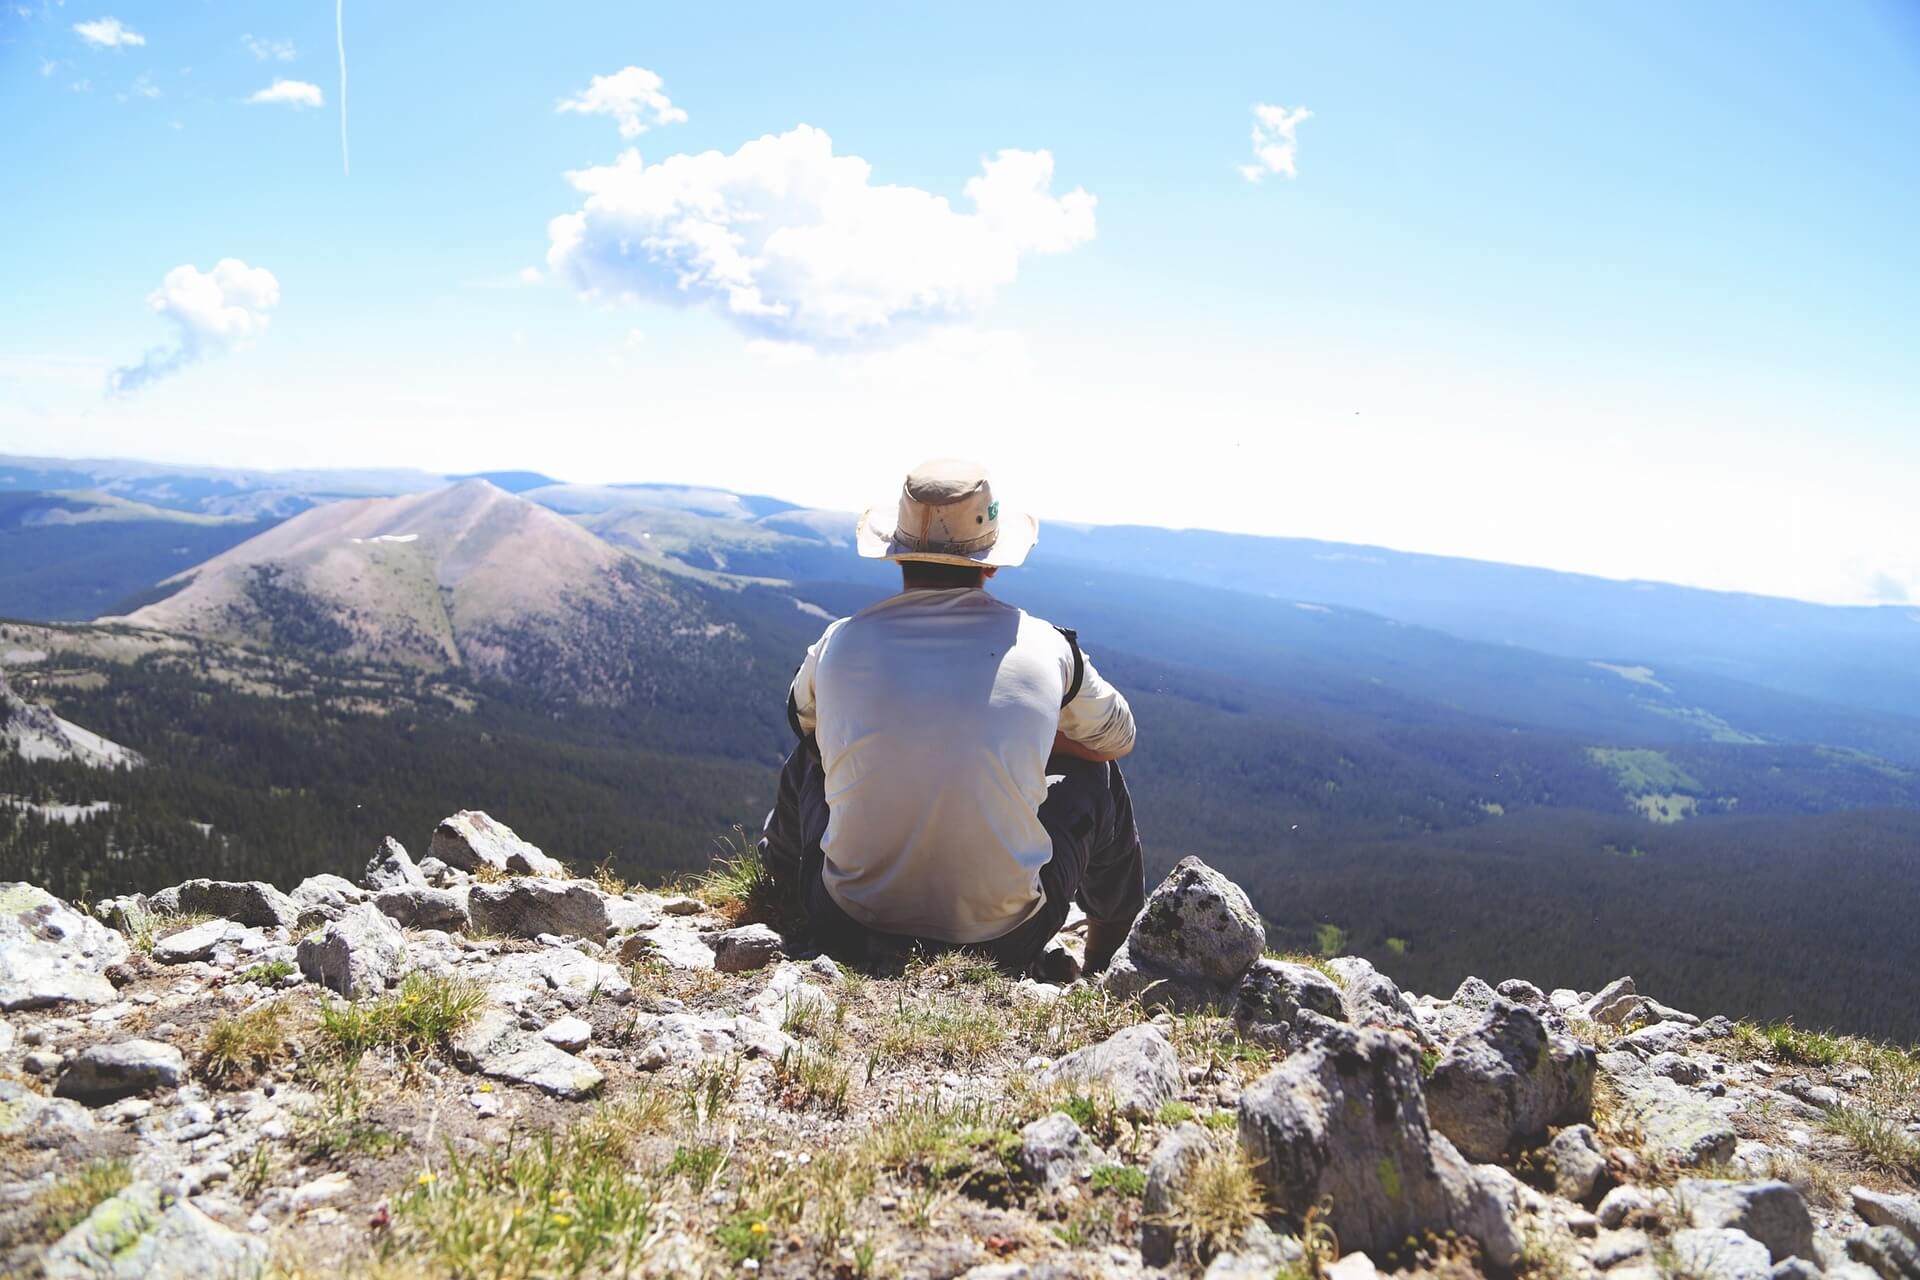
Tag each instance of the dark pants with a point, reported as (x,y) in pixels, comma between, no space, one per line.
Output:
(1096,861)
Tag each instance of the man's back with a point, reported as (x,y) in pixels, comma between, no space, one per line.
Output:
(935,713)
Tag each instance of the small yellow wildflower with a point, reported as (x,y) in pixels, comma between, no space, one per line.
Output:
(426,1179)
(562,1219)
(758,1228)
(483,1087)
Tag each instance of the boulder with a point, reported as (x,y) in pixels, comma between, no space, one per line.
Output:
(1878,1209)
(633,913)
(194,943)
(392,867)
(1678,1125)
(1888,1250)
(1579,1168)
(471,840)
(1346,1119)
(253,902)
(1771,1212)
(527,908)
(141,1235)
(1373,1000)
(50,953)
(1520,991)
(568,1034)
(1053,1151)
(1173,1162)
(38,1121)
(1499,1087)
(356,955)
(1135,1066)
(1197,924)
(1286,1006)
(324,897)
(1718,1253)
(104,1072)
(1615,1005)
(1623,1205)
(417,907)
(577,979)
(494,1044)
(753,946)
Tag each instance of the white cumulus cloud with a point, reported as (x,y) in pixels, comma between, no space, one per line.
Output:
(290,93)
(268,50)
(793,243)
(107,33)
(633,96)
(1273,141)
(212,311)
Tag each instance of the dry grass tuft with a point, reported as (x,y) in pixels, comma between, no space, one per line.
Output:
(239,1046)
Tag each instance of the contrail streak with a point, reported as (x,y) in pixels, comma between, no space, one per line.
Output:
(340,41)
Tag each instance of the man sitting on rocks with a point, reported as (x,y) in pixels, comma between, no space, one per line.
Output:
(955,782)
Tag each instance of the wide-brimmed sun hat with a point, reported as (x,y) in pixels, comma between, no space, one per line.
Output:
(947,515)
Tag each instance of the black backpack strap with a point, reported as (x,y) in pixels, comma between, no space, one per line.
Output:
(1079,664)
(793,707)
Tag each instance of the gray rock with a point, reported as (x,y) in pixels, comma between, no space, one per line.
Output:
(1579,1168)
(439,875)
(568,1034)
(633,913)
(1878,1209)
(1795,1269)
(494,1044)
(1676,1124)
(1372,999)
(1053,1151)
(392,867)
(195,943)
(1661,1037)
(1523,992)
(1611,1248)
(1622,1205)
(1135,1066)
(356,955)
(140,1235)
(753,946)
(1615,1005)
(252,902)
(418,907)
(1173,1161)
(1157,989)
(577,979)
(527,908)
(324,897)
(1473,994)
(1719,1253)
(103,1072)
(1677,1067)
(50,953)
(1197,925)
(1499,1087)
(1286,1006)
(1771,1212)
(1346,1119)
(470,840)
(1888,1250)
(39,1121)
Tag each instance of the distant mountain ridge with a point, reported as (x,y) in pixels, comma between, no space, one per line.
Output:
(466,577)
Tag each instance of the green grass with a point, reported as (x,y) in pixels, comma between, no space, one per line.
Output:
(65,1204)
(413,1021)
(1397,946)
(268,973)
(339,1127)
(238,1046)
(949,1029)
(1881,1141)
(1330,940)
(1640,772)
(1122,1178)
(557,1205)
(807,1079)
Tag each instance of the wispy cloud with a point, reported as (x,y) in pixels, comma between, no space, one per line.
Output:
(1273,141)
(290,93)
(633,96)
(47,67)
(212,312)
(268,50)
(107,33)
(790,242)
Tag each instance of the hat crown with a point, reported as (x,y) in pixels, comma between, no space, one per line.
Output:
(947,508)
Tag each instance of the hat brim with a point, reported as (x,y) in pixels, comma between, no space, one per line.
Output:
(873,538)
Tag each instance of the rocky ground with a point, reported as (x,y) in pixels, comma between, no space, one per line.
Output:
(478,1066)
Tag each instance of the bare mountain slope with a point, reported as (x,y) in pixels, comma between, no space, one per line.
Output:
(32,732)
(467,576)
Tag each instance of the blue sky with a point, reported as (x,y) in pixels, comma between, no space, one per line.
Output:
(1629,289)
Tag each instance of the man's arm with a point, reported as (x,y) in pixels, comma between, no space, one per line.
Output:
(1097,725)
(801,709)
